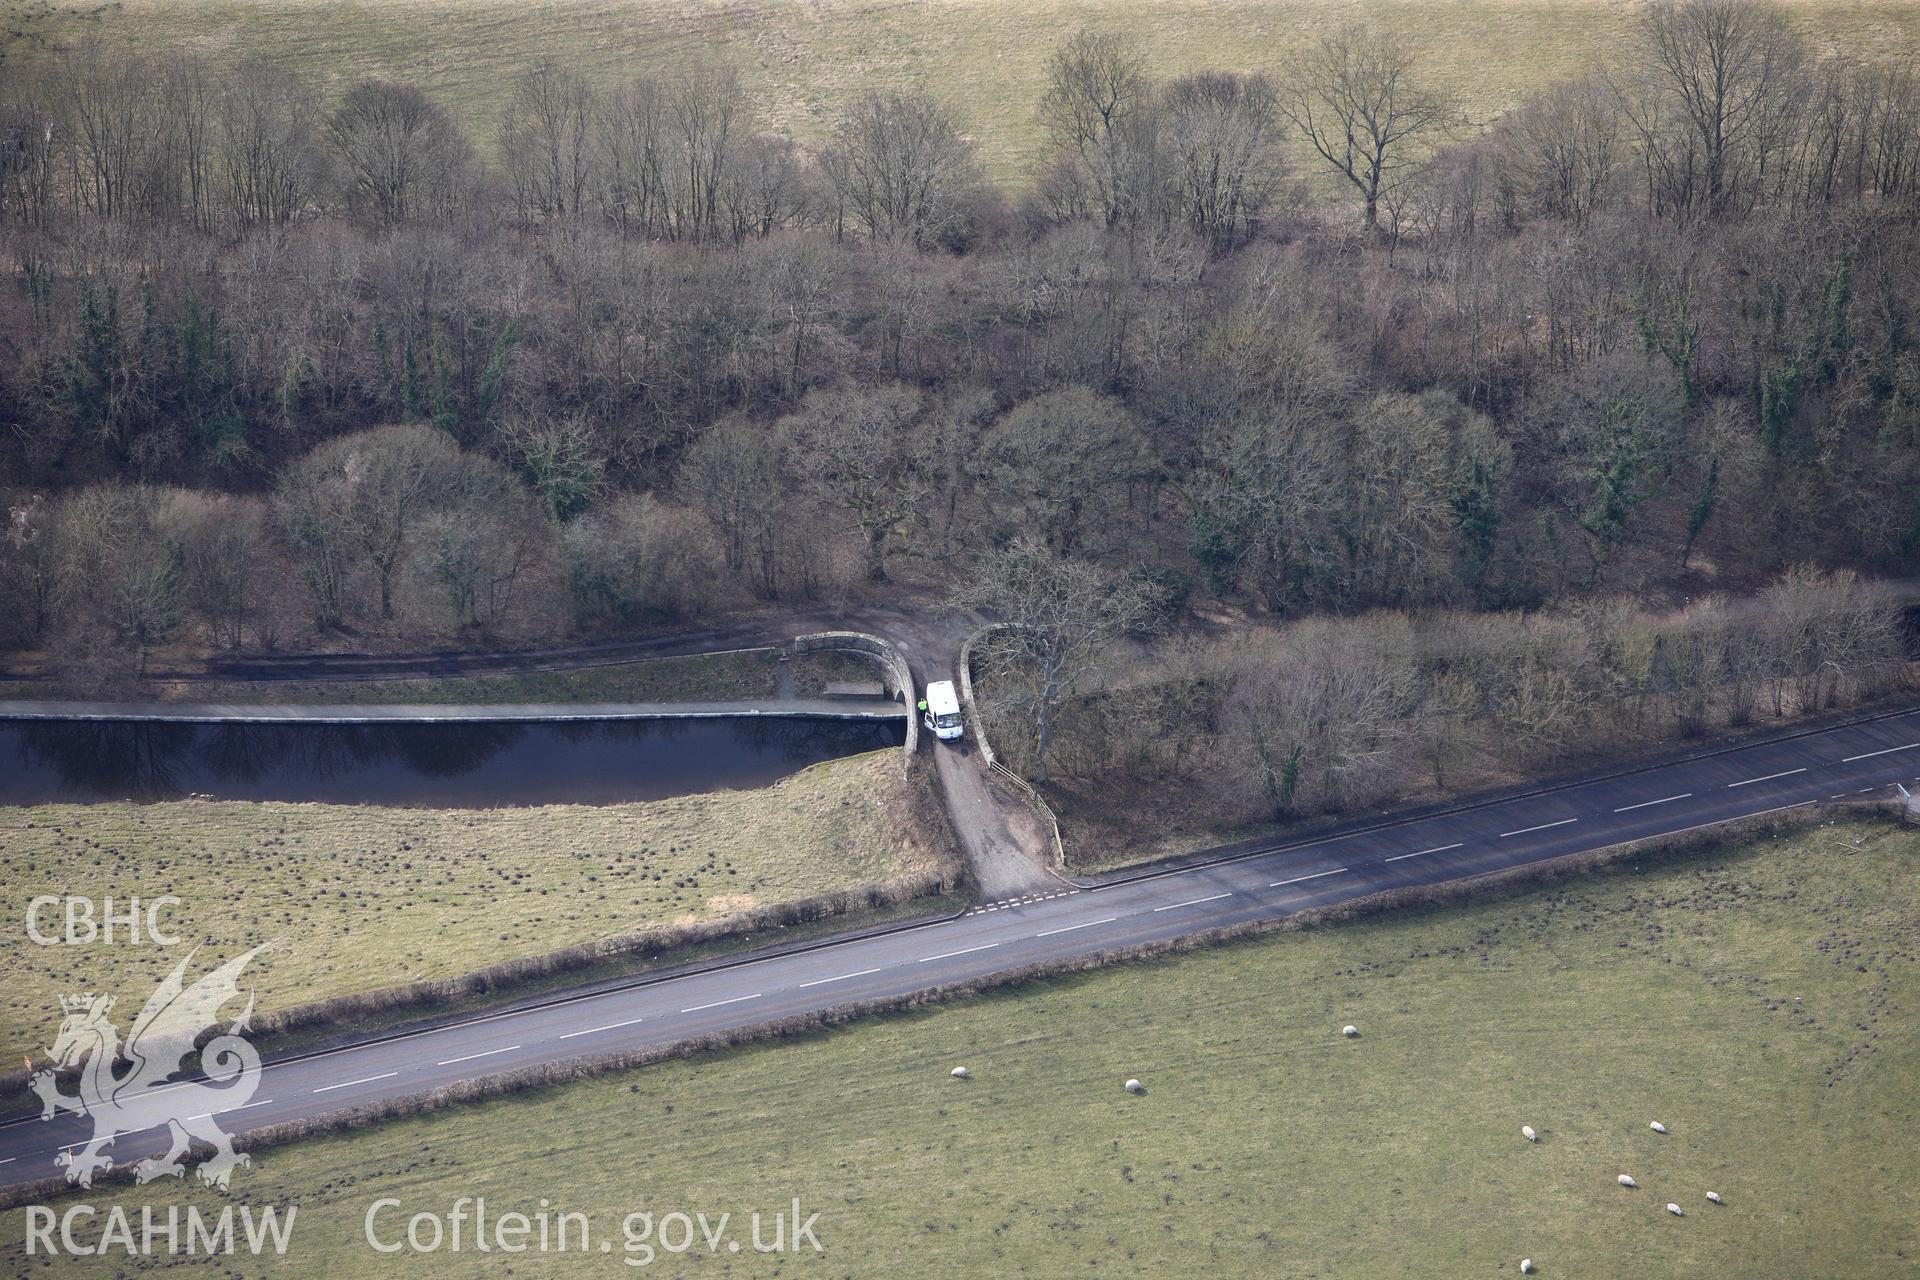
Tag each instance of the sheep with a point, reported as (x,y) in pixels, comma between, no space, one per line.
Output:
(1526,1266)
(1349,1031)
(1676,1210)
(1715,1197)
(1657,1127)
(1626,1180)
(961,1073)
(1134,1086)
(1526,1131)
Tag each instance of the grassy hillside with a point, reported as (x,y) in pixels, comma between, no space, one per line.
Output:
(1759,1001)
(365,898)
(802,60)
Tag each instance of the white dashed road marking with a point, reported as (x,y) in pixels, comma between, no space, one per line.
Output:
(1070,928)
(1542,827)
(948,955)
(1439,848)
(1747,782)
(1887,752)
(470,1057)
(611,1026)
(717,1003)
(1648,804)
(1315,876)
(821,982)
(1192,902)
(348,1084)
(205,1114)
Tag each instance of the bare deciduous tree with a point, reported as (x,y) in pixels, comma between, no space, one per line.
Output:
(629,132)
(1359,101)
(1097,92)
(221,541)
(740,474)
(479,541)
(1221,135)
(268,143)
(119,574)
(858,447)
(108,108)
(1564,149)
(703,110)
(899,167)
(403,156)
(546,141)
(33,139)
(1059,616)
(30,569)
(634,558)
(1058,466)
(1719,82)
(362,496)
(1320,717)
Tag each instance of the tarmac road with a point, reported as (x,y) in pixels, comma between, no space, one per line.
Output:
(1857,759)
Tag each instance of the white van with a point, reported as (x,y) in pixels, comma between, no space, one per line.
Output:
(942,711)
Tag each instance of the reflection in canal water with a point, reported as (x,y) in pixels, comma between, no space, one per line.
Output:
(475,764)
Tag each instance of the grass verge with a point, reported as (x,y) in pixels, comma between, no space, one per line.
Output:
(1755,996)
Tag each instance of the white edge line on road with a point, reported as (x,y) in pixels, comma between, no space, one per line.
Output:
(611,1026)
(1070,928)
(1908,746)
(1746,782)
(1542,827)
(717,1003)
(471,1056)
(947,955)
(348,1084)
(1648,804)
(9,1160)
(1439,848)
(204,1115)
(821,982)
(1315,876)
(1193,902)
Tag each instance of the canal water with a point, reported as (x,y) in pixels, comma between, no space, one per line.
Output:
(465,765)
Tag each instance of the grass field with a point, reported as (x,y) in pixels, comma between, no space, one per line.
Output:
(803,61)
(366,898)
(1759,1001)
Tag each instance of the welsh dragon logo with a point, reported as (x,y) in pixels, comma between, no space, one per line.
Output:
(158,1044)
